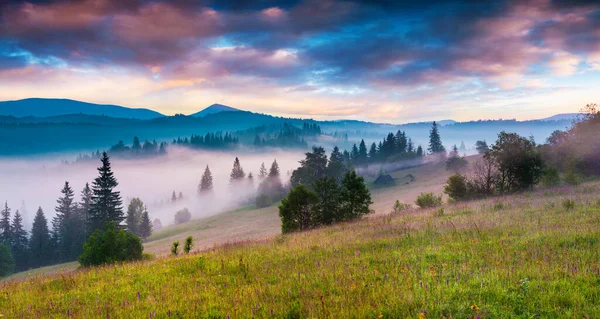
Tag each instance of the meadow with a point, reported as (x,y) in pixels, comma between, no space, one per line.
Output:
(535,254)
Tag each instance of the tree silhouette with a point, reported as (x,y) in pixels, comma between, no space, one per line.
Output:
(106,202)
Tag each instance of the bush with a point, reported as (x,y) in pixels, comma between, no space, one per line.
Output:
(262,201)
(399,207)
(175,248)
(427,200)
(439,212)
(183,216)
(568,204)
(457,187)
(189,242)
(572,178)
(550,177)
(7,262)
(296,210)
(111,245)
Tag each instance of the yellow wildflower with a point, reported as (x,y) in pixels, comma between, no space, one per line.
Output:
(421,315)
(474,307)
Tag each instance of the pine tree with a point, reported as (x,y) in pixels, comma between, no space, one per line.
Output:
(145,228)
(373,152)
(5,234)
(435,141)
(173,197)
(39,243)
(134,215)
(274,171)
(85,204)
(401,142)
(136,147)
(419,151)
(237,172)
(262,173)
(251,179)
(362,153)
(106,203)
(206,183)
(354,154)
(336,166)
(18,243)
(66,225)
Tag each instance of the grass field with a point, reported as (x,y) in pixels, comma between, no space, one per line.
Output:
(526,256)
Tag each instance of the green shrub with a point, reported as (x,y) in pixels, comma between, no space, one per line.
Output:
(7,262)
(427,200)
(399,207)
(550,177)
(262,201)
(572,178)
(189,242)
(175,248)
(439,212)
(457,187)
(568,204)
(110,245)
(183,216)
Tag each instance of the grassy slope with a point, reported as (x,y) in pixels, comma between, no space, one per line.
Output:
(517,256)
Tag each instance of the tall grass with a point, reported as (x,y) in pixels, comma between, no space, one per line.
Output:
(528,259)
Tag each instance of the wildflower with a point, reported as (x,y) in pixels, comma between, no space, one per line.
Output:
(422,315)
(380,316)
(474,307)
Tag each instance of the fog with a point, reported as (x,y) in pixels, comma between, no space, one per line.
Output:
(37,181)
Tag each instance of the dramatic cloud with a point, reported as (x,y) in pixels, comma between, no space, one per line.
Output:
(382,60)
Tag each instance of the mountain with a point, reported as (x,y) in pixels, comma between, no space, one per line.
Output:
(38,107)
(562,117)
(215,108)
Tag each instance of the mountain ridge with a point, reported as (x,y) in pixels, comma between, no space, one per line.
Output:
(214,108)
(49,107)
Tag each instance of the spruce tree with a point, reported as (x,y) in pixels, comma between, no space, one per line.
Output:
(206,183)
(251,179)
(336,166)
(373,153)
(39,243)
(18,243)
(362,153)
(106,202)
(419,151)
(262,173)
(85,204)
(67,226)
(173,197)
(145,229)
(274,171)
(237,172)
(7,263)
(134,215)
(5,225)
(435,141)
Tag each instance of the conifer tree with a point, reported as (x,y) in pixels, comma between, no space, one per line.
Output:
(262,173)
(206,183)
(7,263)
(237,172)
(5,225)
(145,225)
(173,197)
(435,141)
(419,151)
(251,179)
(85,204)
(354,196)
(18,243)
(67,226)
(39,243)
(373,152)
(362,153)
(135,209)
(106,202)
(336,166)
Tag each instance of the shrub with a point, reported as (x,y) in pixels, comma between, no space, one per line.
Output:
(568,204)
(399,207)
(7,262)
(572,178)
(175,248)
(439,212)
(262,201)
(427,200)
(189,242)
(550,177)
(110,245)
(183,216)
(457,187)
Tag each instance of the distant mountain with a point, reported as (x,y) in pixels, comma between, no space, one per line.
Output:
(562,117)
(56,107)
(215,108)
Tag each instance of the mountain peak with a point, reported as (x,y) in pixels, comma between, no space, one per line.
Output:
(215,108)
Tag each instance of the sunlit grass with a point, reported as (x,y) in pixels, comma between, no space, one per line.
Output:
(517,256)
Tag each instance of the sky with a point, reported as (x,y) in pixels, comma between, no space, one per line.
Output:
(381,61)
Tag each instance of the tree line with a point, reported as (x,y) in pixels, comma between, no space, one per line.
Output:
(67,237)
